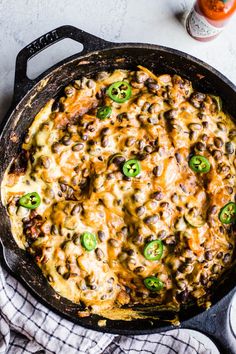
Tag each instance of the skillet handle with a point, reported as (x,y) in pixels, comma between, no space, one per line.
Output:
(215,323)
(22,83)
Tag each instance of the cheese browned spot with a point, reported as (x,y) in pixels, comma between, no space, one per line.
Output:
(70,163)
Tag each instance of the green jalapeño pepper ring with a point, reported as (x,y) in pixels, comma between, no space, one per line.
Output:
(88,241)
(153,250)
(228,213)
(104,112)
(153,283)
(120,91)
(131,168)
(199,164)
(30,200)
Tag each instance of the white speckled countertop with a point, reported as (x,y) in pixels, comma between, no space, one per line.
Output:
(150,21)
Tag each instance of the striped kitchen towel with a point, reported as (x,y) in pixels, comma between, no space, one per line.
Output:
(26,326)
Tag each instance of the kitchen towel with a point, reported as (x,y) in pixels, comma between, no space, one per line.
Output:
(26,326)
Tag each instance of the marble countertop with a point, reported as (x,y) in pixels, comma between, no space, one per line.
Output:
(148,21)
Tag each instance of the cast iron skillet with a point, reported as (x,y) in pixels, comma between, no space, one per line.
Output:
(31,95)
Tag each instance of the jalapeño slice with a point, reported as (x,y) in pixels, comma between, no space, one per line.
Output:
(153,283)
(120,91)
(104,112)
(88,241)
(30,200)
(153,250)
(131,168)
(199,164)
(228,213)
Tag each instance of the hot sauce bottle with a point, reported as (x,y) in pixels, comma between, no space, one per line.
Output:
(208,18)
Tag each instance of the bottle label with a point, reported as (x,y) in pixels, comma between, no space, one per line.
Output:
(199,27)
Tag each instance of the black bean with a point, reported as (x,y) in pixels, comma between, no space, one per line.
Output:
(63,187)
(171,114)
(55,106)
(125,231)
(141,77)
(229,148)
(90,84)
(229,189)
(219,255)
(178,157)
(56,147)
(227,258)
(110,176)
(204,279)
(141,144)
(78,147)
(146,107)
(150,238)
(212,210)
(157,195)
(217,154)
(208,255)
(170,240)
(205,137)
(183,187)
(157,171)
(140,210)
(66,140)
(148,149)
(76,209)
(153,87)
(126,178)
(130,141)
(230,246)
(101,235)
(114,243)
(183,296)
(195,126)
(152,120)
(127,289)
(54,230)
(221,126)
(201,146)
(99,254)
(66,275)
(118,160)
(139,269)
(104,141)
(110,280)
(205,124)
(138,239)
(61,270)
(105,131)
(162,234)
(149,220)
(76,239)
(142,156)
(232,133)
(84,137)
(218,142)
(50,278)
(216,268)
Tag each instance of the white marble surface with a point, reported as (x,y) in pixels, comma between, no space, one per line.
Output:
(151,21)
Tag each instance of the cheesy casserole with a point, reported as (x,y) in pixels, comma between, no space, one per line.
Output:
(124,192)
